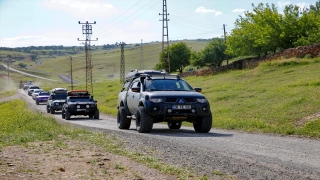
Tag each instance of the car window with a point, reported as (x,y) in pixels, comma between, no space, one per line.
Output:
(167,85)
(125,86)
(59,96)
(136,84)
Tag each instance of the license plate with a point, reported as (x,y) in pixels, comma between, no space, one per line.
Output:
(81,109)
(181,107)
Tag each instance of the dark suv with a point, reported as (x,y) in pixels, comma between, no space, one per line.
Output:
(155,96)
(56,100)
(79,102)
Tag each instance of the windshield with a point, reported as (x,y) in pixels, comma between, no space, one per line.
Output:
(59,96)
(43,94)
(167,85)
(81,99)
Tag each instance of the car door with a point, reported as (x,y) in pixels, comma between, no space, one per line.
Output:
(133,98)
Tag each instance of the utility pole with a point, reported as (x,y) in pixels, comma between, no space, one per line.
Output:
(122,63)
(87,30)
(71,72)
(8,61)
(165,33)
(141,57)
(225,40)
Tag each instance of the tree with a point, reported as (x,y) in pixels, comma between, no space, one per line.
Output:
(197,59)
(22,65)
(310,24)
(179,55)
(213,53)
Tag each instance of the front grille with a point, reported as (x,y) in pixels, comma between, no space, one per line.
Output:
(189,100)
(171,100)
(174,100)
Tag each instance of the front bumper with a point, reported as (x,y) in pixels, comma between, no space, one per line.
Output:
(166,110)
(82,111)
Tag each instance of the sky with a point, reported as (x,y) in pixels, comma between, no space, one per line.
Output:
(26,23)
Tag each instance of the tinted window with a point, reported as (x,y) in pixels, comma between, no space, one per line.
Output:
(59,96)
(167,85)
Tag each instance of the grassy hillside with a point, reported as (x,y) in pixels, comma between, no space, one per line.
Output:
(104,62)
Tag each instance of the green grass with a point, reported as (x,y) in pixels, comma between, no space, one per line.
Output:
(270,98)
(20,125)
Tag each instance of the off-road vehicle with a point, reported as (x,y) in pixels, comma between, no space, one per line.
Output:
(80,102)
(56,99)
(155,96)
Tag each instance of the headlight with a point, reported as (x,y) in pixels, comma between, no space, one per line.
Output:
(156,100)
(87,106)
(78,106)
(57,104)
(201,100)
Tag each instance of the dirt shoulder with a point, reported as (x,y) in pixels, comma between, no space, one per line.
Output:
(69,159)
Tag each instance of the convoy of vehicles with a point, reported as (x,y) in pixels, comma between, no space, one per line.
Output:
(155,96)
(147,96)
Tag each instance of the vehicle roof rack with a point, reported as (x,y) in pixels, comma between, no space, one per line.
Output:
(135,73)
(78,93)
(164,76)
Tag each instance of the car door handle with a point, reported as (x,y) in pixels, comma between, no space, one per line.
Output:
(132,96)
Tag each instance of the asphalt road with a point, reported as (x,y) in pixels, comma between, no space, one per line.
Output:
(241,155)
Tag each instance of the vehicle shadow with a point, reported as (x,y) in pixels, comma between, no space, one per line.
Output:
(83,118)
(184,133)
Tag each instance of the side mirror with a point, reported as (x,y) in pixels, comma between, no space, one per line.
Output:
(198,89)
(135,89)
(95,101)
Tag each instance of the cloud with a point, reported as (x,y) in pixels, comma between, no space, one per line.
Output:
(238,10)
(302,5)
(25,38)
(81,8)
(282,3)
(203,10)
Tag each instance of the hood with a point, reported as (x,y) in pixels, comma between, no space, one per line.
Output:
(59,100)
(175,94)
(43,96)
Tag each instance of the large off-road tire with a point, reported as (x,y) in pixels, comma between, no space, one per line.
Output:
(96,114)
(52,111)
(174,125)
(48,110)
(90,116)
(144,121)
(122,121)
(37,102)
(67,115)
(204,124)
(63,114)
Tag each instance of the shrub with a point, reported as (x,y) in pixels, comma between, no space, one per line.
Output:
(308,56)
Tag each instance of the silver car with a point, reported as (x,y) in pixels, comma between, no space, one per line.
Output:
(35,93)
